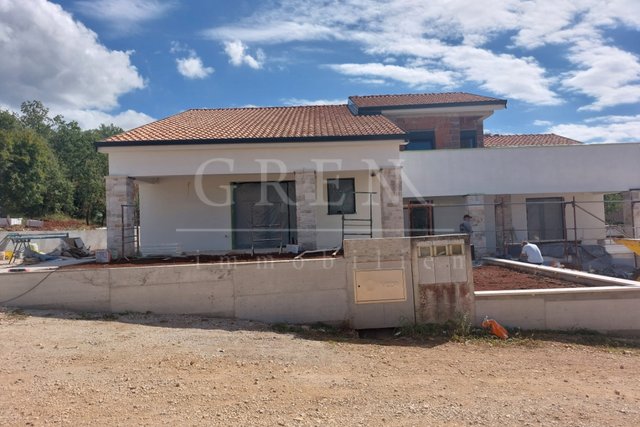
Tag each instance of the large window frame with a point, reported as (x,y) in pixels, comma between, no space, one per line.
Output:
(421,141)
(341,196)
(468,139)
(546,219)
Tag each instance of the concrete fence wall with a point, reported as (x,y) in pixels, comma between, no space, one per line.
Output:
(273,291)
(612,309)
(372,286)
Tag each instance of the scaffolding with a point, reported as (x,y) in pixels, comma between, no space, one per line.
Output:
(348,223)
(508,238)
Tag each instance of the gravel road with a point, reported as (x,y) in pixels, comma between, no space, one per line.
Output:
(62,368)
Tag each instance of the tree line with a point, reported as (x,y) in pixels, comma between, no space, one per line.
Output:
(49,166)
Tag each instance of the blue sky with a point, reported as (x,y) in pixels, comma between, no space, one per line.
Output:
(572,68)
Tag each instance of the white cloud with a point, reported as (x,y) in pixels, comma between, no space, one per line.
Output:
(238,55)
(193,68)
(191,65)
(605,129)
(52,58)
(299,101)
(608,74)
(283,32)
(454,37)
(413,77)
(542,123)
(124,15)
(91,119)
(507,75)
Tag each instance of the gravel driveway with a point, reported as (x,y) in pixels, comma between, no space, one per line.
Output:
(134,369)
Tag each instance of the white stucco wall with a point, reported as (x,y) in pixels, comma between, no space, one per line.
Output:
(521,170)
(330,226)
(172,214)
(185,160)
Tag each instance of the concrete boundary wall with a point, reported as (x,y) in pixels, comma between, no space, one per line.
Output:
(372,286)
(611,309)
(273,291)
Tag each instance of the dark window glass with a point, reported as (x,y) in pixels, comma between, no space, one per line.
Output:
(341,196)
(468,139)
(421,141)
(545,218)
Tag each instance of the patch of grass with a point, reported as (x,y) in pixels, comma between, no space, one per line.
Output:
(458,329)
(16,313)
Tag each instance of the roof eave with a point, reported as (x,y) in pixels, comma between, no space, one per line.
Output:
(499,103)
(340,138)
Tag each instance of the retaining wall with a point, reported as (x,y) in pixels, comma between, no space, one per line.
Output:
(373,286)
(272,291)
(575,276)
(611,309)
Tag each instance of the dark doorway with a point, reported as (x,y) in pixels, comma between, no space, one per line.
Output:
(264,214)
(420,219)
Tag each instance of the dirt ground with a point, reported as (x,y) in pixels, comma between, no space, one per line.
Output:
(60,368)
(53,225)
(494,278)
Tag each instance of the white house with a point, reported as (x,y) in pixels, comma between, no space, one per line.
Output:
(232,179)
(226,179)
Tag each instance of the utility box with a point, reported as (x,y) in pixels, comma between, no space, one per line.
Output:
(406,280)
(379,285)
(442,278)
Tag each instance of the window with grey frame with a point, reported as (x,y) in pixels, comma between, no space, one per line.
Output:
(341,196)
(424,140)
(468,139)
(545,218)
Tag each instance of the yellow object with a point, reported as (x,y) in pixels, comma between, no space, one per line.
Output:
(6,255)
(632,244)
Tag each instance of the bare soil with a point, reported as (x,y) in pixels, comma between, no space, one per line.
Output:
(135,369)
(494,278)
(53,225)
(200,259)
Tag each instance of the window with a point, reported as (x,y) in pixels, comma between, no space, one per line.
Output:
(545,218)
(468,139)
(341,196)
(421,141)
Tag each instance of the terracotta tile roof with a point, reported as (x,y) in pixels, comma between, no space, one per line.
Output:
(422,99)
(493,141)
(259,125)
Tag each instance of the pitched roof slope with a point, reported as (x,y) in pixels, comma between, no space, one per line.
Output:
(259,125)
(426,99)
(496,141)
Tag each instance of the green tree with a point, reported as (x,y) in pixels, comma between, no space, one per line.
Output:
(83,166)
(35,116)
(613,208)
(50,165)
(31,182)
(8,120)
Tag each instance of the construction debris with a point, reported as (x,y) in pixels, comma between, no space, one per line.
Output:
(70,251)
(495,328)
